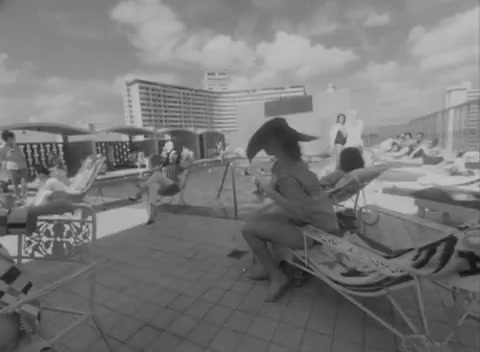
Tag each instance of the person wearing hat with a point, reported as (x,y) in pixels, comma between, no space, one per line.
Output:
(298,197)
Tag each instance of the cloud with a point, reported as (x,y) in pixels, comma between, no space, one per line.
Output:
(63,100)
(377,20)
(368,17)
(69,25)
(156,30)
(452,42)
(297,55)
(7,75)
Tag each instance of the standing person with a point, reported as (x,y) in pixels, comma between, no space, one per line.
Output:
(15,164)
(354,128)
(338,136)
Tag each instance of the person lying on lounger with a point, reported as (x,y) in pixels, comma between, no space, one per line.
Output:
(350,159)
(163,182)
(298,197)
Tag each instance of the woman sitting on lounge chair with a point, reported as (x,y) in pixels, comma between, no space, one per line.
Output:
(298,197)
(162,183)
(350,159)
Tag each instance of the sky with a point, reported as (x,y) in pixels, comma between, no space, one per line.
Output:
(66,60)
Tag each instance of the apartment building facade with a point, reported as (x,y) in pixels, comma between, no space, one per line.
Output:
(160,105)
(217,81)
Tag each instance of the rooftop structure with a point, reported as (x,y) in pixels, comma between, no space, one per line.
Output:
(216,81)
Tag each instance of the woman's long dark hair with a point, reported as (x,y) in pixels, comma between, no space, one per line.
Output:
(339,116)
(291,148)
(351,159)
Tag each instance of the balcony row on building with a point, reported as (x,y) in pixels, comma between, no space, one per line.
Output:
(152,104)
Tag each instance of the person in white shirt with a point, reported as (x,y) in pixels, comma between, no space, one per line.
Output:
(354,128)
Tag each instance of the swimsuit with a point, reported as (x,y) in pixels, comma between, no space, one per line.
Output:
(340,138)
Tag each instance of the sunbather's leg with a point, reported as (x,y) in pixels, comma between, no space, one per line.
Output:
(277,229)
(15,183)
(9,332)
(23,182)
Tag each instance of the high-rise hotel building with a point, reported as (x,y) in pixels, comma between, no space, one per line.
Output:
(216,80)
(152,104)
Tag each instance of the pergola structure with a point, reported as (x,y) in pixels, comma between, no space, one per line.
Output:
(187,137)
(64,130)
(132,131)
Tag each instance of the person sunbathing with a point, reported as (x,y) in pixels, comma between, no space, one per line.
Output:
(298,197)
(163,182)
(350,159)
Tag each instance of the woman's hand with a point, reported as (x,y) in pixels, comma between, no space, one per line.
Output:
(263,186)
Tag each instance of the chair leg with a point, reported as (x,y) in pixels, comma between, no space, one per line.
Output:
(101,329)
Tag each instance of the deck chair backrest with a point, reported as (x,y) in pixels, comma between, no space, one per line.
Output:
(355,181)
(78,178)
(89,176)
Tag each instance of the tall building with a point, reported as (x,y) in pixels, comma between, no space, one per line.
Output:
(460,94)
(160,105)
(217,81)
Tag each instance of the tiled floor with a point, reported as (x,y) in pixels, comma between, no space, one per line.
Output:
(172,288)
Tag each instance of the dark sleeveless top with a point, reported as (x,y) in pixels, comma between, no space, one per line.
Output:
(340,138)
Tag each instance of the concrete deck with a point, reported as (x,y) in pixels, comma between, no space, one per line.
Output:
(172,288)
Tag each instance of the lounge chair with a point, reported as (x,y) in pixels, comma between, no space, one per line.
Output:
(375,262)
(228,165)
(353,184)
(62,239)
(451,202)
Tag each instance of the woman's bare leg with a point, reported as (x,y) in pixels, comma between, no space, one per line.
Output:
(338,150)
(276,229)
(24,187)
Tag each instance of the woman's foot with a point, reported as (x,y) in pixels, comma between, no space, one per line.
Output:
(278,286)
(257,273)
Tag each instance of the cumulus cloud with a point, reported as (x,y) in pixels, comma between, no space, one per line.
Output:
(452,42)
(162,38)
(59,99)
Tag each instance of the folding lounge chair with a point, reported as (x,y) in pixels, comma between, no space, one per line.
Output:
(228,165)
(82,184)
(177,189)
(64,240)
(356,265)
(353,184)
